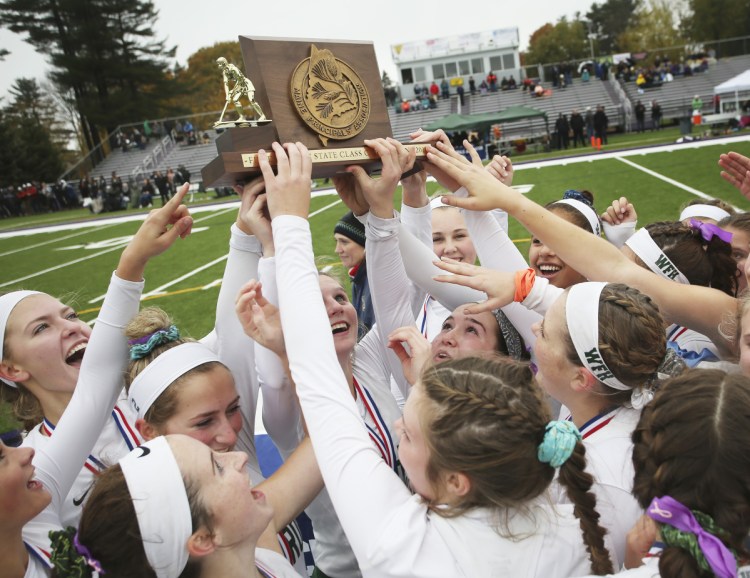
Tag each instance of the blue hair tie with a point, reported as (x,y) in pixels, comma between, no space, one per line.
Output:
(576,196)
(560,438)
(141,347)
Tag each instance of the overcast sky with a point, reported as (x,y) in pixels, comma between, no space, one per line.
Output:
(190,24)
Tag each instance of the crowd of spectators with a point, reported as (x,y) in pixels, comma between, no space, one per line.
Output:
(99,195)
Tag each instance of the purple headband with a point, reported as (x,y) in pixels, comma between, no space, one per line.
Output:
(667,510)
(90,560)
(708,230)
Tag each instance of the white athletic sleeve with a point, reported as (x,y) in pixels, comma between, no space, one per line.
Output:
(281,413)
(388,285)
(542,295)
(618,234)
(418,221)
(233,347)
(59,462)
(497,251)
(363,488)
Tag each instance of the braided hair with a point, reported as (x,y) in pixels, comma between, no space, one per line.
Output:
(691,444)
(486,417)
(705,263)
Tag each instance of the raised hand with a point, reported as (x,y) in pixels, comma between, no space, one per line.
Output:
(736,172)
(418,354)
(260,319)
(378,193)
(485,191)
(288,191)
(158,232)
(498,285)
(414,189)
(620,211)
(501,168)
(639,540)
(351,193)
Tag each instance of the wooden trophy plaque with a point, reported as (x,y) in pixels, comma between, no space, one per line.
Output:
(325,94)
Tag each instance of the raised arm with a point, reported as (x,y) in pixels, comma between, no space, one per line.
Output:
(100,381)
(699,308)
(350,465)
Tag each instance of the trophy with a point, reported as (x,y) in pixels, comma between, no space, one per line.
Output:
(326,94)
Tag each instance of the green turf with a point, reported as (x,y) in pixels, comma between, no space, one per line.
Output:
(193,306)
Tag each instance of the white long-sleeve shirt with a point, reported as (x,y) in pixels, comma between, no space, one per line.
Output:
(392,533)
(59,461)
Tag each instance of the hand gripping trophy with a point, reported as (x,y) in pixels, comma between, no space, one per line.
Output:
(237,87)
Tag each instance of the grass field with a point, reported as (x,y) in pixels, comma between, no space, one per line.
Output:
(75,264)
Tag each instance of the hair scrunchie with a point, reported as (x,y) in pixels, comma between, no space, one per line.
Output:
(560,439)
(141,347)
(70,558)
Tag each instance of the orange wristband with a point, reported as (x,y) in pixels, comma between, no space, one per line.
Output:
(524,283)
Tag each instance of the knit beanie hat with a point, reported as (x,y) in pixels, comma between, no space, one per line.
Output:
(350,227)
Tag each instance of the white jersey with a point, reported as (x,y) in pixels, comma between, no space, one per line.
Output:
(377,410)
(59,461)
(273,565)
(609,459)
(392,533)
(117,439)
(693,348)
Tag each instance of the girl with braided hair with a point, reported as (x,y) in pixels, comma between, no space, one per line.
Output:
(470,515)
(698,253)
(739,226)
(691,461)
(35,484)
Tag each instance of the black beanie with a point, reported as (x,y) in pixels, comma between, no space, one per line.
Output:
(350,227)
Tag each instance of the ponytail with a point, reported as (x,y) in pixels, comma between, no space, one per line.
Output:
(577,482)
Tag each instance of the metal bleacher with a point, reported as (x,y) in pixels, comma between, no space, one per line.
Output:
(676,97)
(577,95)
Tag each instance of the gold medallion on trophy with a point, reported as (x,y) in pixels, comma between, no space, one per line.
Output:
(330,96)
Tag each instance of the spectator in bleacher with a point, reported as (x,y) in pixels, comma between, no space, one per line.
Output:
(567,71)
(585,76)
(472,85)
(697,103)
(84,187)
(492,81)
(205,138)
(483,88)
(640,116)
(415,104)
(460,93)
(433,102)
(116,183)
(187,127)
(655,115)
(512,82)
(425,100)
(191,138)
(600,124)
(555,75)
(418,91)
(445,89)
(434,89)
(504,83)
(577,124)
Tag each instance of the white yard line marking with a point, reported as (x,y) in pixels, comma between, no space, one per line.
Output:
(672,182)
(333,204)
(50,241)
(60,266)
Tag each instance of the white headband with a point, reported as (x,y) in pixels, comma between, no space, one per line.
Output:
(705,211)
(8,302)
(655,259)
(437,203)
(582,316)
(161,505)
(586,211)
(163,371)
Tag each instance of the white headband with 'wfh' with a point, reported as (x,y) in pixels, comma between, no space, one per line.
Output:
(8,302)
(163,371)
(161,505)
(586,211)
(582,317)
(705,211)
(651,254)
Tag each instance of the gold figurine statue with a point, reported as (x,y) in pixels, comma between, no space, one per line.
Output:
(236,87)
